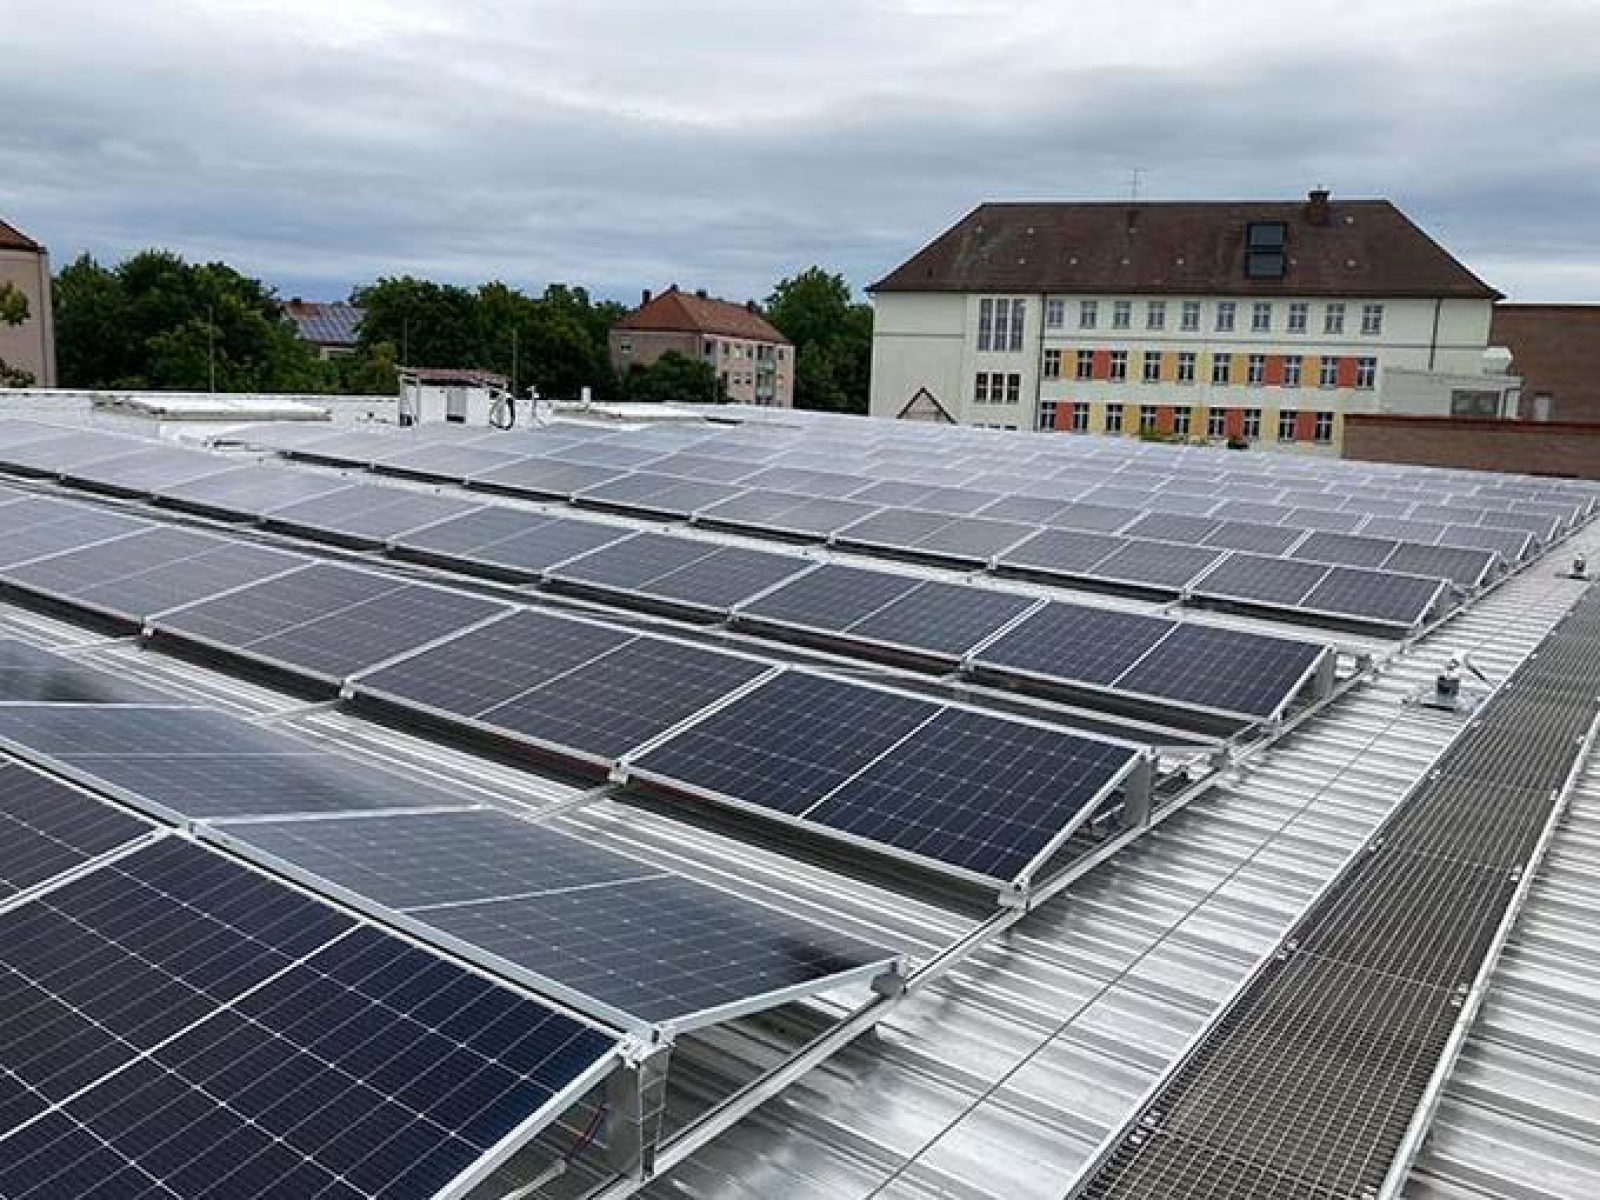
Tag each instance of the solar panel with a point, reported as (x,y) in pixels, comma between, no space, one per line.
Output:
(607,452)
(1404,529)
(543,476)
(947,619)
(1512,545)
(971,539)
(135,577)
(48,829)
(685,497)
(976,792)
(483,526)
(1075,643)
(327,622)
(1465,568)
(957,501)
(831,597)
(804,481)
(1404,600)
(633,562)
(1254,537)
(51,456)
(1350,550)
(893,528)
(246,492)
(1161,565)
(449,464)
(1228,670)
(279,435)
(1066,552)
(1259,579)
(367,515)
(788,513)
(139,472)
(356,447)
(1328,520)
(628,938)
(1092,518)
(30,674)
(895,493)
(724,578)
(33,528)
(242,1039)
(788,743)
(1028,510)
(1544,529)
(1174,527)
(188,764)
(705,467)
(619,701)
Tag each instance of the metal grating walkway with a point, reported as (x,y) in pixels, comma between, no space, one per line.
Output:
(1310,1080)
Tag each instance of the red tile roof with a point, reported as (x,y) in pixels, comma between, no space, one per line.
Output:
(1361,248)
(680,312)
(12,238)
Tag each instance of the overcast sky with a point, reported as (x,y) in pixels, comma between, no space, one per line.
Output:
(623,144)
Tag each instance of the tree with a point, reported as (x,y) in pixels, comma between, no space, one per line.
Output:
(13,311)
(672,378)
(832,334)
(156,321)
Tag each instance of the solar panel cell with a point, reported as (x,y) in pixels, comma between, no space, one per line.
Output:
(1259,579)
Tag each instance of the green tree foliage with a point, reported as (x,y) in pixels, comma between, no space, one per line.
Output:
(832,334)
(156,321)
(13,311)
(672,378)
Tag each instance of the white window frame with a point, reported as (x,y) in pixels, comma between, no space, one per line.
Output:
(1083,367)
(1252,424)
(1366,373)
(1261,317)
(1051,364)
(1292,367)
(980,388)
(1114,417)
(1286,423)
(1227,315)
(1088,314)
(985,323)
(1333,318)
(1150,366)
(1182,420)
(1222,369)
(1055,313)
(1149,414)
(1019,315)
(1299,316)
(1047,415)
(1080,416)
(1255,370)
(1186,366)
(1013,388)
(1118,369)
(1189,316)
(1122,314)
(1371,320)
(1323,431)
(1216,422)
(1155,314)
(1328,371)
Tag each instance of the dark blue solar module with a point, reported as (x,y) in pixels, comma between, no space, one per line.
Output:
(633,562)
(1512,545)
(1075,643)
(367,515)
(724,578)
(1060,552)
(1260,579)
(202,1030)
(946,619)
(186,764)
(1378,596)
(1253,537)
(483,526)
(51,456)
(1349,550)
(1092,518)
(1463,567)
(48,829)
(328,622)
(1229,670)
(894,528)
(625,937)
(976,792)
(28,674)
(788,743)
(244,493)
(445,463)
(971,539)
(1164,566)
(831,597)
(1174,527)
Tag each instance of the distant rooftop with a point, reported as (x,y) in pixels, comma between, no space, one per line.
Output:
(332,323)
(1318,247)
(676,311)
(12,238)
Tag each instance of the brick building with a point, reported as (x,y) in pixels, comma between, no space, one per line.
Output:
(1555,348)
(752,359)
(1265,322)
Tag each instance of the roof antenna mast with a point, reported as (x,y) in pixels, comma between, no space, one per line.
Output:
(1135,175)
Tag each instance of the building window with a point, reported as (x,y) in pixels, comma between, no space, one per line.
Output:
(1119,365)
(1291,371)
(1257,370)
(1113,418)
(1055,313)
(727,350)
(1216,422)
(711,348)
(1181,420)
(1052,364)
(1085,364)
(1186,359)
(1333,319)
(1189,321)
(1260,316)
(1002,324)
(1018,309)
(1328,376)
(1155,314)
(625,345)
(1147,418)
(1323,431)
(980,388)
(1088,314)
(1121,314)
(1366,372)
(1286,423)
(1372,319)
(1047,414)
(1252,424)
(1221,368)
(1299,314)
(1226,309)
(1152,366)
(1013,389)
(1080,416)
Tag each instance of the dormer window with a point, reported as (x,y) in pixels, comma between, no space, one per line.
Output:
(1266,250)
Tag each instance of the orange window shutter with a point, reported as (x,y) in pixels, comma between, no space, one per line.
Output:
(1063,414)
(1274,376)
(1347,372)
(1164,419)
(1233,423)
(1305,426)
(1102,364)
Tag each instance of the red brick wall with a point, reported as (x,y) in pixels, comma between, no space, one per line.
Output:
(1530,447)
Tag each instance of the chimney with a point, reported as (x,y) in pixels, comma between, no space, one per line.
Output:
(749,306)
(1317,206)
(700,294)
(646,299)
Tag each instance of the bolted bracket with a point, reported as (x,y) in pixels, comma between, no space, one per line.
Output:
(636,1097)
